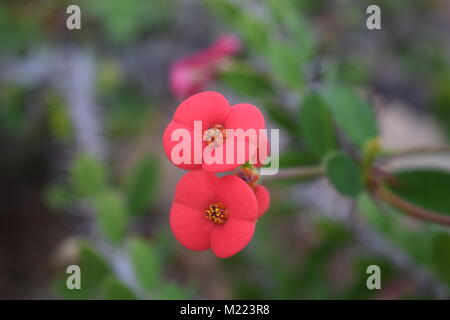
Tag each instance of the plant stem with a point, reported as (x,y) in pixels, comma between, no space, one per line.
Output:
(411,152)
(410,209)
(306,172)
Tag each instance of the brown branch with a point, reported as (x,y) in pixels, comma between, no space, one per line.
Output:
(412,152)
(410,209)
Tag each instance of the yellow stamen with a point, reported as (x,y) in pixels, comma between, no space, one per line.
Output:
(217,213)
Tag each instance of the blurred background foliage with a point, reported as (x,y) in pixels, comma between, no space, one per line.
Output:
(316,72)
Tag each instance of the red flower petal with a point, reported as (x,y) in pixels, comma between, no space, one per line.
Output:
(263,198)
(236,159)
(190,227)
(168,145)
(209,107)
(238,197)
(264,153)
(196,189)
(231,237)
(245,116)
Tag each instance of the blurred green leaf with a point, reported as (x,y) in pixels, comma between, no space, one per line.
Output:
(19,28)
(247,81)
(295,26)
(225,9)
(113,289)
(93,270)
(58,120)
(441,255)
(13,107)
(316,125)
(110,209)
(428,188)
(285,65)
(352,114)
(343,173)
(142,184)
(254,31)
(359,288)
(88,175)
(125,20)
(145,263)
(283,117)
(128,110)
(59,196)
(172,291)
(390,222)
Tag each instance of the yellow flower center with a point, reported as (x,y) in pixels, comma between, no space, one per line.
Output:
(217,213)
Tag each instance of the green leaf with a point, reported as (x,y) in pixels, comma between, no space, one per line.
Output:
(343,173)
(428,188)
(390,222)
(142,184)
(352,114)
(295,26)
(316,125)
(58,119)
(113,289)
(125,20)
(285,65)
(93,270)
(58,196)
(88,175)
(441,255)
(145,263)
(283,117)
(247,81)
(111,214)
(172,292)
(13,102)
(254,31)
(227,11)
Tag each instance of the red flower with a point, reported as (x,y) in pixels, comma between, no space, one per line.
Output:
(261,192)
(216,116)
(263,198)
(215,213)
(192,73)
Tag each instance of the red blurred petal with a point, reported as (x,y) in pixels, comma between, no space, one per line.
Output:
(226,45)
(238,197)
(168,145)
(231,237)
(209,107)
(188,77)
(196,189)
(190,227)
(263,198)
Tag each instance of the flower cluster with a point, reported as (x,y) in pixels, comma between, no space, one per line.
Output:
(208,211)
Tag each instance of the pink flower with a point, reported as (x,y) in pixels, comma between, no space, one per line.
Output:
(215,213)
(214,114)
(192,73)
